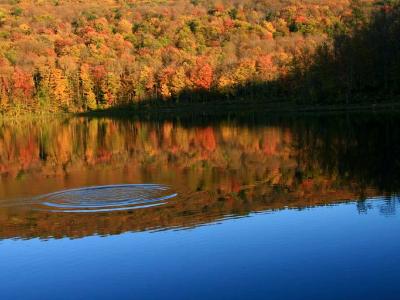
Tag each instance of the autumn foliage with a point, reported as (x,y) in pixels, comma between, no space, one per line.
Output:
(83,55)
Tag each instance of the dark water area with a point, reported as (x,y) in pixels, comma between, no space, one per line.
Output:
(245,206)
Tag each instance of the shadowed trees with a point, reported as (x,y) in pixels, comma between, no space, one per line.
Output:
(360,65)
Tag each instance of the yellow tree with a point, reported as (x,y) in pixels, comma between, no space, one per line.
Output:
(245,71)
(59,88)
(124,26)
(226,84)
(146,83)
(164,82)
(178,81)
(87,88)
(110,88)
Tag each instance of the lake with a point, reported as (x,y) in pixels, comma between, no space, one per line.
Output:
(201,207)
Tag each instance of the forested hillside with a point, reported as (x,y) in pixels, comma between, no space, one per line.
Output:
(75,55)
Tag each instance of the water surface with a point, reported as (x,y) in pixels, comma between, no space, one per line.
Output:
(295,207)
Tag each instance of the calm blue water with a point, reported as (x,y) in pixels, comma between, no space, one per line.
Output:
(343,251)
(245,207)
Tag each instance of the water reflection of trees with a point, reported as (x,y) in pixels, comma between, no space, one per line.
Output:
(223,169)
(386,206)
(360,149)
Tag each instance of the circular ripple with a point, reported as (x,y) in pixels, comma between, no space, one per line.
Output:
(107,198)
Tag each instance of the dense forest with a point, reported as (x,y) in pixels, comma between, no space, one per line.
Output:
(75,55)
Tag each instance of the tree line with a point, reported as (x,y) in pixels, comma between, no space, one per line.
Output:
(65,55)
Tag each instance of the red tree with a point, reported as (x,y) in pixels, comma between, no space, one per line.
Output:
(202,74)
(22,82)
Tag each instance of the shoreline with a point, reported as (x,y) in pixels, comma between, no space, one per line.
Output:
(218,109)
(225,108)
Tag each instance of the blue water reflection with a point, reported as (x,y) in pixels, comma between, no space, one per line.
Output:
(343,251)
